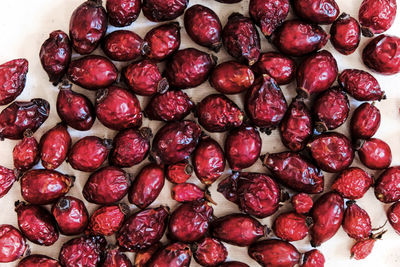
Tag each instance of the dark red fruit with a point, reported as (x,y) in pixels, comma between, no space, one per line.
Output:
(42,187)
(365,121)
(295,172)
(179,172)
(387,186)
(290,226)
(38,260)
(362,249)
(26,152)
(107,220)
(71,215)
(12,79)
(345,34)
(187,192)
(319,12)
(107,186)
(241,40)
(302,203)
(233,263)
(376,16)
(313,258)
(356,222)
(210,252)
(280,67)
(163,10)
(19,116)
(237,229)
(55,55)
(352,183)
(12,243)
(375,154)
(327,215)
(87,26)
(231,77)
(229,1)
(123,45)
(203,26)
(143,229)
(89,153)
(7,179)
(144,256)
(122,13)
(115,258)
(269,14)
(173,255)
(298,38)
(393,215)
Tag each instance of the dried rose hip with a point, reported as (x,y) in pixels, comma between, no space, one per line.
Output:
(345,34)
(38,260)
(89,153)
(55,55)
(42,187)
(130,147)
(210,252)
(365,121)
(387,186)
(376,16)
(290,226)
(19,116)
(12,243)
(313,258)
(361,249)
(375,154)
(320,12)
(356,222)
(12,79)
(186,192)
(232,263)
(237,229)
(302,203)
(143,257)
(175,254)
(71,215)
(87,26)
(107,220)
(7,179)
(298,38)
(280,67)
(143,229)
(163,10)
(393,215)
(241,40)
(123,45)
(26,152)
(107,186)
(295,172)
(122,13)
(327,215)
(179,172)
(352,183)
(115,258)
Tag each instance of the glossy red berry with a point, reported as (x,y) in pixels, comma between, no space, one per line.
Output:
(302,203)
(393,215)
(210,252)
(352,183)
(7,179)
(71,215)
(233,263)
(107,220)
(12,79)
(375,154)
(280,67)
(115,258)
(123,45)
(122,13)
(320,12)
(365,121)
(12,243)
(290,226)
(187,192)
(163,10)
(143,257)
(376,16)
(387,186)
(38,260)
(356,222)
(175,254)
(313,258)
(179,172)
(362,249)
(345,34)
(26,152)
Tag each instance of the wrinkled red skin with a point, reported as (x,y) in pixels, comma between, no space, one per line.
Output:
(233,263)
(268,14)
(173,255)
(71,215)
(143,257)
(296,126)
(190,221)
(316,73)
(38,260)
(327,215)
(382,54)
(217,113)
(290,226)
(163,10)
(332,152)
(143,229)
(274,252)
(175,141)
(130,147)
(231,77)
(237,229)
(179,173)
(352,183)
(210,252)
(122,45)
(241,40)
(345,34)
(203,27)
(295,172)
(229,1)
(242,147)
(280,67)
(393,215)
(106,186)
(26,152)
(362,249)
(107,220)
(92,72)
(313,258)
(147,185)
(118,109)
(42,187)
(12,79)
(7,179)
(55,55)
(365,121)
(19,116)
(302,203)
(12,243)
(375,154)
(317,11)
(187,192)
(89,153)
(170,106)
(122,13)
(115,258)
(356,222)
(387,186)
(88,24)
(163,41)
(298,38)
(376,16)
(361,85)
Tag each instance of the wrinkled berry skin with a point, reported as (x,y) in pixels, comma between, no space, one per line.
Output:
(233,263)
(393,215)
(356,222)
(190,221)
(376,16)
(237,229)
(375,154)
(71,215)
(298,38)
(295,172)
(231,77)
(217,113)
(88,24)
(55,55)
(331,151)
(147,185)
(316,73)
(12,79)
(163,41)
(42,187)
(106,186)
(115,258)
(345,34)
(387,186)
(290,226)
(37,224)
(365,121)
(107,220)
(382,54)
(361,249)
(143,229)
(361,85)
(268,14)
(274,252)
(12,243)
(26,152)
(179,172)
(296,126)
(122,13)
(302,203)
(163,10)
(89,153)
(280,67)
(172,255)
(241,40)
(327,215)
(19,116)
(313,258)
(319,12)
(169,106)
(122,45)
(352,183)
(176,141)
(203,26)
(143,257)
(38,260)
(242,147)
(7,179)
(187,192)
(210,252)
(118,109)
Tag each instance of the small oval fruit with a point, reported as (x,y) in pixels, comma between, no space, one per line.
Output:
(313,258)
(302,203)
(365,121)
(144,256)
(187,192)
(280,67)
(210,252)
(356,222)
(352,183)
(12,243)
(320,12)
(12,79)
(38,260)
(290,226)
(376,16)
(7,179)
(115,258)
(163,10)
(393,215)
(387,186)
(107,220)
(179,172)
(122,13)
(345,34)
(123,45)
(175,254)
(375,154)
(26,152)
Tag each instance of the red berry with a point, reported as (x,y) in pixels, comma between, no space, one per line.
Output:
(313,258)
(361,249)
(12,79)
(393,215)
(187,192)
(375,154)
(345,34)
(280,67)
(143,257)
(290,226)
(317,11)
(12,243)
(115,258)
(175,254)
(356,222)
(210,252)
(7,179)
(365,121)
(38,260)
(163,10)
(122,13)
(233,263)
(26,152)
(376,16)
(71,215)
(123,45)
(179,172)
(302,203)
(387,186)
(352,183)
(107,220)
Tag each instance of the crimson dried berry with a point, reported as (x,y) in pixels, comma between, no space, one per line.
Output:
(179,172)
(362,249)
(356,222)
(375,154)
(12,243)
(143,257)
(115,258)
(313,258)
(163,10)
(26,152)
(280,67)
(345,34)
(393,215)
(107,220)
(302,203)
(122,13)
(12,79)
(290,226)
(71,215)
(233,263)
(376,16)
(352,183)
(210,252)
(387,186)
(38,260)
(7,179)
(175,254)
(187,192)
(317,11)
(365,121)
(123,45)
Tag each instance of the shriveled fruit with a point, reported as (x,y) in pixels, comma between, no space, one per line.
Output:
(233,264)
(187,192)
(290,226)
(38,260)
(361,85)
(175,254)
(393,215)
(179,172)
(143,257)
(356,222)
(12,79)
(375,154)
(387,186)
(365,121)
(26,152)
(210,252)
(12,243)
(320,12)
(302,203)
(352,183)
(163,10)
(123,45)
(7,179)
(363,248)
(115,258)
(313,258)
(376,16)
(345,34)
(280,67)
(122,13)
(107,220)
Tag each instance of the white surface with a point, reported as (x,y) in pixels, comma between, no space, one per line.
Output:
(26,24)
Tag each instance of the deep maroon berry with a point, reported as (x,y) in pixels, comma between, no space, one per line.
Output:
(123,45)
(26,152)
(356,222)
(122,13)
(365,121)
(387,186)
(320,12)
(375,154)
(280,67)
(12,243)
(179,172)
(313,258)
(290,226)
(175,254)
(107,220)
(71,215)
(12,79)
(210,252)
(187,192)
(345,34)
(302,203)
(163,10)
(352,183)
(376,16)
(38,260)
(115,258)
